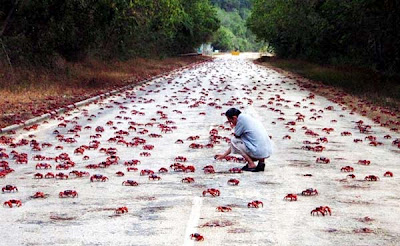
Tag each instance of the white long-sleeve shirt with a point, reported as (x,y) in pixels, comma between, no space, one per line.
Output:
(254,136)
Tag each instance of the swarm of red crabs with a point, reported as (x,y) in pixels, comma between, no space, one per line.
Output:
(138,131)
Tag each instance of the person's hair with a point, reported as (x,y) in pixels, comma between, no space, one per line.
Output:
(232,112)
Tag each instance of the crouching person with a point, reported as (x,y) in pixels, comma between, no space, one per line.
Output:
(251,141)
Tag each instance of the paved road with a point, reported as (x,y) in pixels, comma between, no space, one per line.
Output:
(167,211)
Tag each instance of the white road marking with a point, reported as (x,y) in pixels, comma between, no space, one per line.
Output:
(191,226)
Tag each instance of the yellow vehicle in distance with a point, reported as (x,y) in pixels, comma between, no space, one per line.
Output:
(235,53)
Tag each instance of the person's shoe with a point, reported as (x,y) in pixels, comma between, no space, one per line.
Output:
(260,167)
(248,169)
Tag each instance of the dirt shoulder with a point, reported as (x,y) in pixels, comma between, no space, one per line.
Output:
(30,92)
(365,99)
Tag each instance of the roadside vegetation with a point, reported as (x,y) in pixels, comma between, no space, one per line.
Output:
(54,53)
(359,33)
(233,33)
(39,32)
(351,45)
(73,82)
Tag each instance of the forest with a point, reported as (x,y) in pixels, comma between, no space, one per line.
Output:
(233,33)
(38,31)
(361,33)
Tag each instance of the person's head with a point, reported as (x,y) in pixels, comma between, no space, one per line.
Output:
(232,114)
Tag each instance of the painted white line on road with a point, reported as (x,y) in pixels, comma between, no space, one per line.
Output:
(191,226)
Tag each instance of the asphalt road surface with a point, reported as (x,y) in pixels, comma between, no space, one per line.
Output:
(186,106)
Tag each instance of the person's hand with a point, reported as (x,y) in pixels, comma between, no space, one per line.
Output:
(219,157)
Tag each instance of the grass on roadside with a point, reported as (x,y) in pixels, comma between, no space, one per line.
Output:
(32,91)
(363,91)
(376,88)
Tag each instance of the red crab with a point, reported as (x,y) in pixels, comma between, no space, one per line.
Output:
(210,145)
(121,210)
(146,172)
(233,182)
(371,178)
(79,150)
(323,210)
(21,160)
(235,170)
(92,166)
(148,147)
(224,209)
(132,162)
(10,203)
(39,194)
(113,159)
(70,140)
(375,143)
(213,132)
(120,174)
(346,134)
(79,174)
(68,193)
(61,176)
(190,169)
(154,177)
(196,237)
(196,146)
(364,162)
(388,174)
(318,148)
(153,135)
(3,155)
(146,154)
(191,138)
(347,169)
(370,138)
(292,197)
(255,204)
(323,140)
(363,230)
(179,141)
(9,188)
(49,175)
(131,169)
(323,160)
(178,167)
(130,183)
(180,159)
(208,169)
(213,192)
(62,166)
(309,192)
(188,180)
(163,170)
(98,177)
(38,176)
(166,129)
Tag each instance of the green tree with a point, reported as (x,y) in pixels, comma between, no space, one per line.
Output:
(37,30)
(235,21)
(357,32)
(224,40)
(198,25)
